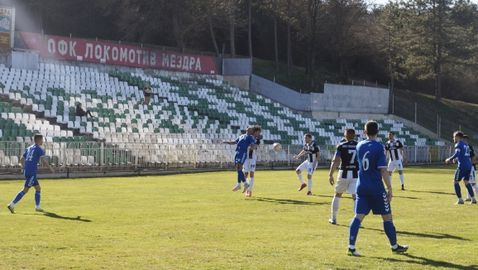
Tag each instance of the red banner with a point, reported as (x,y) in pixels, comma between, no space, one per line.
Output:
(113,53)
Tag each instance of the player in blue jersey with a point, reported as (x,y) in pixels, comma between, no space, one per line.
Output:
(29,162)
(462,154)
(243,144)
(473,167)
(370,192)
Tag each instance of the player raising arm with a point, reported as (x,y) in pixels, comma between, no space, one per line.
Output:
(371,194)
(242,145)
(312,150)
(346,156)
(462,154)
(29,162)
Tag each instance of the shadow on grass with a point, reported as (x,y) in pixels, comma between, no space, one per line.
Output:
(433,192)
(285,201)
(54,215)
(427,262)
(421,235)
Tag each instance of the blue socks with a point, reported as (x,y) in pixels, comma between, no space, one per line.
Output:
(470,190)
(354,229)
(458,190)
(37,199)
(240,177)
(18,197)
(390,231)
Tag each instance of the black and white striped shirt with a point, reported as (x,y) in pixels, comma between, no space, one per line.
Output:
(393,148)
(347,151)
(311,150)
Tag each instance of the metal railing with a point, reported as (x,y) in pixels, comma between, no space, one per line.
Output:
(127,155)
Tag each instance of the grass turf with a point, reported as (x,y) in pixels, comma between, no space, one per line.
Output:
(194,221)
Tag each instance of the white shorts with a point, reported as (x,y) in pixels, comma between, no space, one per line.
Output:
(472,176)
(395,165)
(346,185)
(307,166)
(250,164)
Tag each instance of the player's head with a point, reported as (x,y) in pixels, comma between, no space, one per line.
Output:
(38,139)
(349,134)
(308,138)
(256,131)
(249,130)
(391,135)
(458,136)
(371,129)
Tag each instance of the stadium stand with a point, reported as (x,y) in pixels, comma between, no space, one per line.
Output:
(187,112)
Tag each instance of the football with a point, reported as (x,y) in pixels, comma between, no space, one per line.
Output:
(277,147)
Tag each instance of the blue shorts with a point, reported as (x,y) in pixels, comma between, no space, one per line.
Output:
(240,158)
(378,203)
(461,174)
(31,181)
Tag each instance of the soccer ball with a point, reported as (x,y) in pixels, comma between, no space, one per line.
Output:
(277,147)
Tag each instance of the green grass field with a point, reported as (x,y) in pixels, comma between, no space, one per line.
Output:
(194,221)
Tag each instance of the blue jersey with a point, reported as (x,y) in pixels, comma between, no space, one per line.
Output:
(462,154)
(32,156)
(243,143)
(371,158)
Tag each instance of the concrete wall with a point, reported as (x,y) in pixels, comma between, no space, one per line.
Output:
(236,66)
(238,81)
(351,99)
(25,59)
(281,94)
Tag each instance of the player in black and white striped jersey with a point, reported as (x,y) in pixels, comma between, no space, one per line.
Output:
(346,156)
(394,150)
(312,151)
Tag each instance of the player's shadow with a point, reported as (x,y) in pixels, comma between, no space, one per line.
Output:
(428,262)
(432,192)
(285,201)
(54,215)
(423,235)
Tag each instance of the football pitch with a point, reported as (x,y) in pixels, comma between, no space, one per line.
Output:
(195,221)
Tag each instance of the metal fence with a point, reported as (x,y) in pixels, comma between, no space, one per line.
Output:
(99,155)
(436,117)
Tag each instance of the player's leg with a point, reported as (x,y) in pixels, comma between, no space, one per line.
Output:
(391,233)
(334,208)
(353,233)
(400,173)
(302,167)
(310,172)
(340,187)
(362,209)
(37,198)
(251,184)
(470,191)
(239,160)
(18,197)
(456,185)
(390,169)
(472,182)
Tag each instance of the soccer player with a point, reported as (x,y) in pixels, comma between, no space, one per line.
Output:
(395,155)
(371,194)
(29,162)
(312,150)
(462,154)
(473,168)
(242,146)
(346,156)
(250,167)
